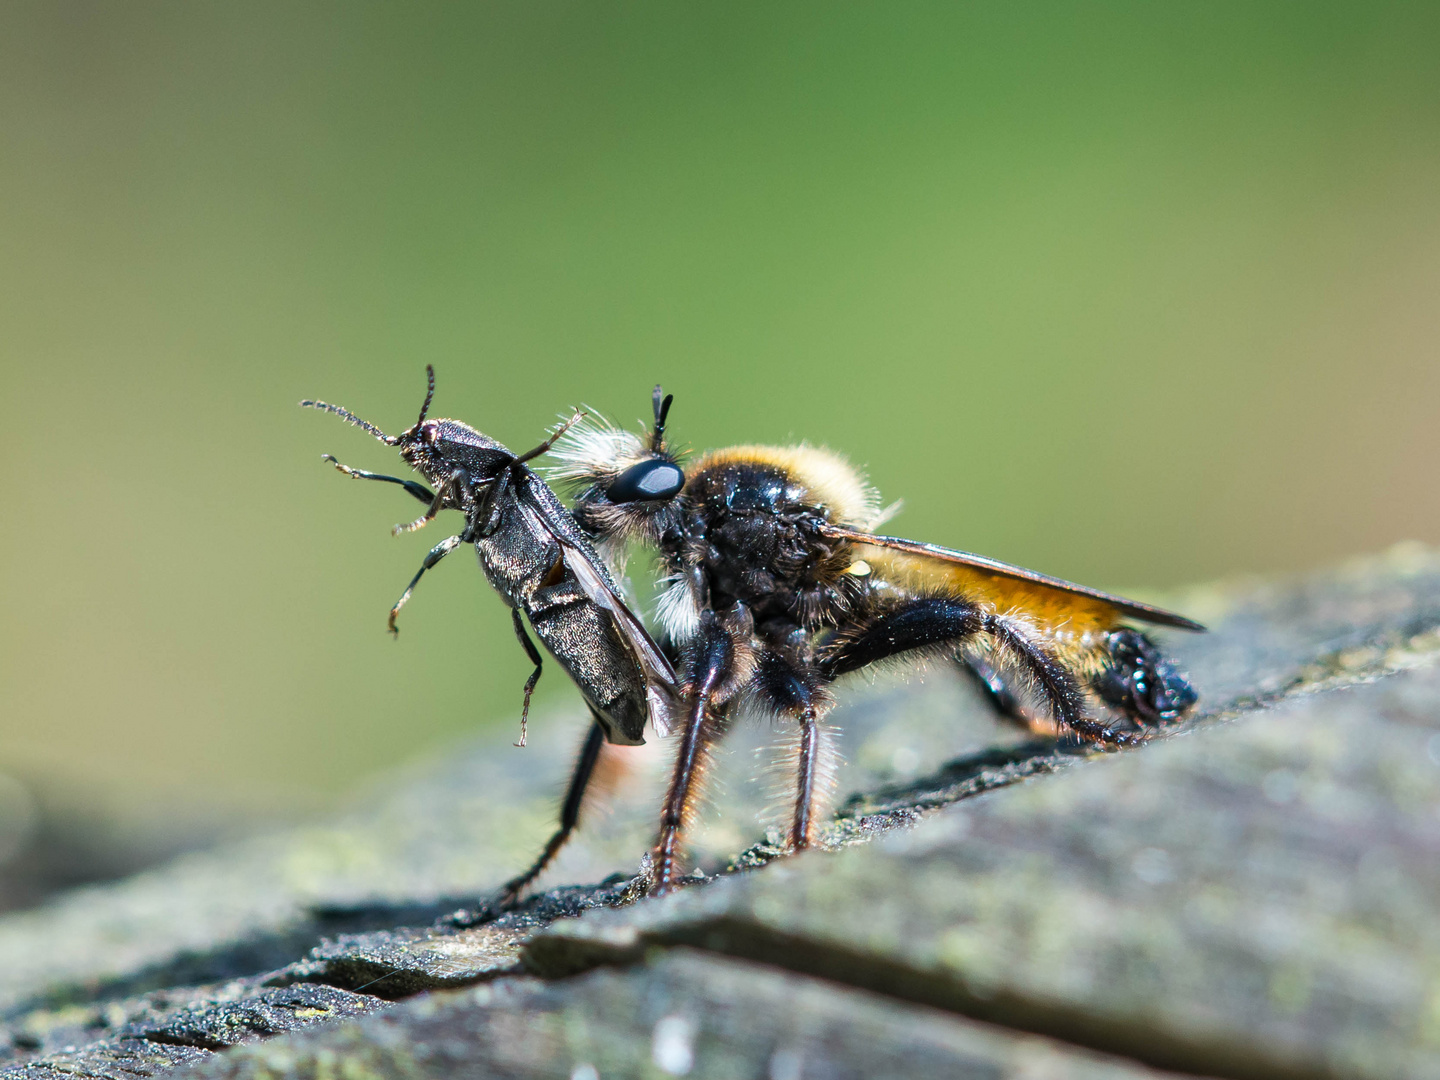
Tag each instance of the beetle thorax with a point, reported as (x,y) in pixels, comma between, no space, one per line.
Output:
(438,448)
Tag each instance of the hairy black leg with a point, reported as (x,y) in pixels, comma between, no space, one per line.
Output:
(455,481)
(569,814)
(420,491)
(915,624)
(802,828)
(438,552)
(998,691)
(534,678)
(1055,684)
(939,621)
(792,688)
(1140,681)
(711,656)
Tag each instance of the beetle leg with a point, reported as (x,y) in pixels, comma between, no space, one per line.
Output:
(452,482)
(420,491)
(486,516)
(438,552)
(551,441)
(569,814)
(534,678)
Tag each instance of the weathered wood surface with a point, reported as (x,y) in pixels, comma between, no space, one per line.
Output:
(1253,895)
(683,1013)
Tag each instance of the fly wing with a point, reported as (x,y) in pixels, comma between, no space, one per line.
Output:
(660,679)
(659,674)
(1027,583)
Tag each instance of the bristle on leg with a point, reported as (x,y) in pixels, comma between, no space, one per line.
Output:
(803,776)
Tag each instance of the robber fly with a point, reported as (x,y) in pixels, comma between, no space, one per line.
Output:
(541,564)
(775,584)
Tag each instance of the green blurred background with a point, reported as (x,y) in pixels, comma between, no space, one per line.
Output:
(1137,294)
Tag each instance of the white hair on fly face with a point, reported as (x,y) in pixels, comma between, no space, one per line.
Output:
(616,555)
(593,450)
(676,609)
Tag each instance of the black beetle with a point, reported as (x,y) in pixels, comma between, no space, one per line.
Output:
(541,563)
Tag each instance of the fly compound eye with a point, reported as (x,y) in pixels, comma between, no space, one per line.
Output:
(647,481)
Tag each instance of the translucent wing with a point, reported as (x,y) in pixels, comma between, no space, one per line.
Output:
(1003,584)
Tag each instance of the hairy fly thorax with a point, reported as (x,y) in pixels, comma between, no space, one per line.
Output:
(752,534)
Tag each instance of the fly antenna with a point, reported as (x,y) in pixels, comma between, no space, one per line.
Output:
(350,418)
(429,393)
(661,402)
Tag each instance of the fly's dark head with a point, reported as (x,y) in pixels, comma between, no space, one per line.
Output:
(627,486)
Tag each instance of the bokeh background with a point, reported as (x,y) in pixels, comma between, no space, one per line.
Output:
(1136,294)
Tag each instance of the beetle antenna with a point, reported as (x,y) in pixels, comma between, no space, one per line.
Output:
(429,393)
(350,418)
(662,410)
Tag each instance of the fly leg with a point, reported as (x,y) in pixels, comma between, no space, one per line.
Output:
(802,828)
(712,658)
(1055,684)
(1141,682)
(936,623)
(792,687)
(569,815)
(1003,696)
(438,552)
(420,491)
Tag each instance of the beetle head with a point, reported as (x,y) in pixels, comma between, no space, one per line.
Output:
(437,448)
